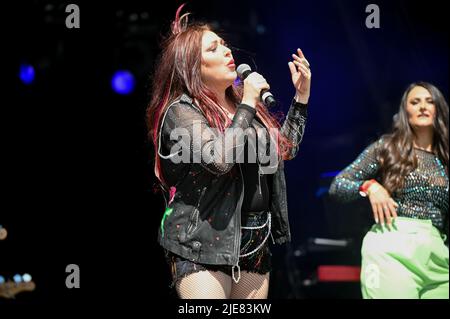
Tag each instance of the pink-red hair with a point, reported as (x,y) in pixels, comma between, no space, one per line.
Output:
(178,71)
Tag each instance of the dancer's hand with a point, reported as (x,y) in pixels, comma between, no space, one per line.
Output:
(383,206)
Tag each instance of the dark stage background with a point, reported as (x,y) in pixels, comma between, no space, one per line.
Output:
(77,169)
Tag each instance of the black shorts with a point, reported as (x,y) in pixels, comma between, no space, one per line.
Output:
(258,262)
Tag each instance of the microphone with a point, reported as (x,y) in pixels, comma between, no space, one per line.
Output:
(243,70)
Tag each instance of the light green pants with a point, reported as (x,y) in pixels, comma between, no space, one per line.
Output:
(408,262)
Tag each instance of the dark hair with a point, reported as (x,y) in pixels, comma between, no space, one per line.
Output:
(396,155)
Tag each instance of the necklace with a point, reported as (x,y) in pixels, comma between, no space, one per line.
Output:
(423,149)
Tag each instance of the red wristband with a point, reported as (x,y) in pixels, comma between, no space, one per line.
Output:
(365,186)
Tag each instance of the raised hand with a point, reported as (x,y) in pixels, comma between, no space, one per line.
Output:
(301,76)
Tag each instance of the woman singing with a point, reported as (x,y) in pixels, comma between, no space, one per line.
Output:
(226,199)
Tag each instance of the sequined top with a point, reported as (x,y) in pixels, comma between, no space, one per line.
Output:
(424,194)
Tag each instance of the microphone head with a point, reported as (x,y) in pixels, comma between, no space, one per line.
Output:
(243,70)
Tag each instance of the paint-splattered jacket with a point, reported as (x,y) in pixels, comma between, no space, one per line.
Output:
(203,217)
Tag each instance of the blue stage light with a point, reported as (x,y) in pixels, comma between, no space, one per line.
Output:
(329,174)
(17,278)
(26,73)
(123,82)
(26,277)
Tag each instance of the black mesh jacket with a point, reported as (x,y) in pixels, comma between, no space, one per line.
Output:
(202,221)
